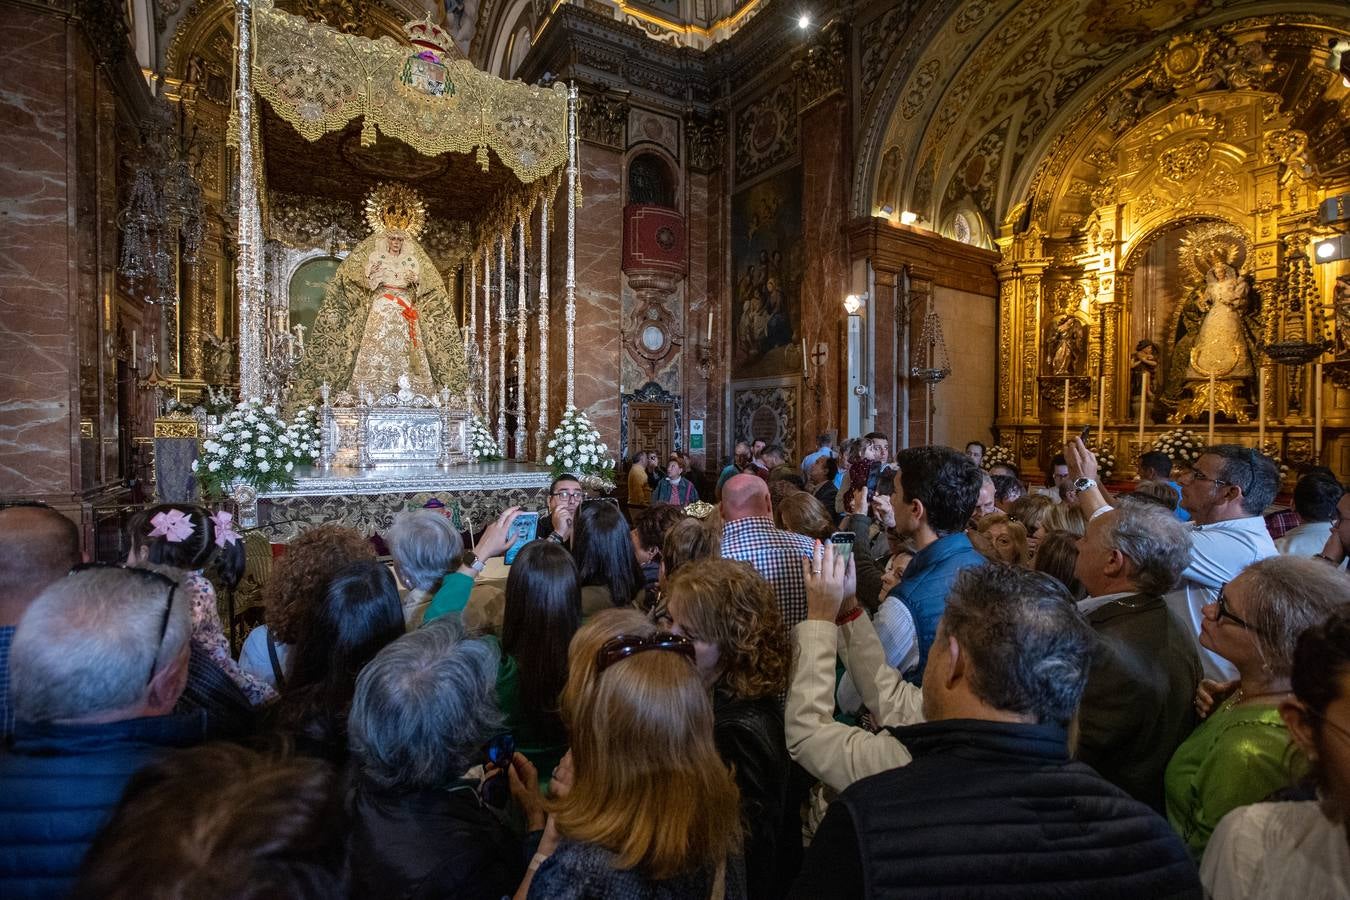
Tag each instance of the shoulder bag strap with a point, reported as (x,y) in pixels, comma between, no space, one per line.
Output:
(276,663)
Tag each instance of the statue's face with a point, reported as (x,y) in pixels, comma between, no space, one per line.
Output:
(395,244)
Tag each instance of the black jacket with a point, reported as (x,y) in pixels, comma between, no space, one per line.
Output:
(993,809)
(749,737)
(425,844)
(1137,707)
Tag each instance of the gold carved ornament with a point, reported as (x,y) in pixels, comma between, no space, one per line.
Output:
(319,79)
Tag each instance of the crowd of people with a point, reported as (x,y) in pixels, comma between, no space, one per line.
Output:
(861,674)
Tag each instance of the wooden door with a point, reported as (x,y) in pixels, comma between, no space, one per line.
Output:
(651,426)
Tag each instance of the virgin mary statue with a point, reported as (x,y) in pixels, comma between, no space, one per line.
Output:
(385,316)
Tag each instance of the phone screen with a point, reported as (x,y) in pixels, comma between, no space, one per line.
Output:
(843,543)
(522,532)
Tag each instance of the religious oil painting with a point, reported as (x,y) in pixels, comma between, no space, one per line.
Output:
(766,260)
(307,289)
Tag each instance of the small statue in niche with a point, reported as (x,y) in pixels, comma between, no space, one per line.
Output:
(1067,350)
(1145,359)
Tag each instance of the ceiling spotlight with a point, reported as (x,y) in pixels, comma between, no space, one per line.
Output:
(804,21)
(908,218)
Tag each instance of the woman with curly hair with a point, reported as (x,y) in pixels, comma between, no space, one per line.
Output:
(743,656)
(298,584)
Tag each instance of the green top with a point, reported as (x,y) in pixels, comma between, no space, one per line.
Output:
(543,743)
(452,597)
(1238,756)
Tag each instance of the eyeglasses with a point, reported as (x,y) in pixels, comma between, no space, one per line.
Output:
(149,575)
(568,496)
(1197,475)
(626,645)
(1221,605)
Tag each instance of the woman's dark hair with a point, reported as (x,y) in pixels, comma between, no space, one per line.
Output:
(193,552)
(1321,657)
(946,482)
(229,564)
(604,552)
(689,541)
(221,820)
(360,613)
(543,611)
(653,522)
(1056,556)
(831,467)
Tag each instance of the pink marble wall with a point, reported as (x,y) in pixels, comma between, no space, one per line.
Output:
(599,285)
(825,162)
(39,431)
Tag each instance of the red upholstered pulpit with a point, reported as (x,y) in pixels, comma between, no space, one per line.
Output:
(653,241)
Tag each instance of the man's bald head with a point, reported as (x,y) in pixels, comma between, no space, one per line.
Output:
(745,495)
(38,545)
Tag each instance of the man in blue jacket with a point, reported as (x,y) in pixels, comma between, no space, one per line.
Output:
(97,664)
(935,494)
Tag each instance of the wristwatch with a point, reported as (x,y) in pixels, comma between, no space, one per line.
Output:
(471,560)
(1082,484)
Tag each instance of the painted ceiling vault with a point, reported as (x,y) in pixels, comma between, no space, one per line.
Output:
(967,109)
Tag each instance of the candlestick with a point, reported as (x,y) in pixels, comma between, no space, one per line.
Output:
(1065,442)
(1209,439)
(1261,410)
(1101,411)
(805,374)
(1143,406)
(133,348)
(1317,411)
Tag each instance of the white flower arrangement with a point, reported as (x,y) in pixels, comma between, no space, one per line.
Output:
(254,445)
(1181,445)
(998,455)
(1106,460)
(575,448)
(482,445)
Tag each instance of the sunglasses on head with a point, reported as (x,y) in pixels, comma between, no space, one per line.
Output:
(150,576)
(626,645)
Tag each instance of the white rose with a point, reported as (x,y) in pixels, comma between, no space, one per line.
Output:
(260,453)
(213,466)
(194,465)
(548,460)
(227,436)
(289,466)
(279,453)
(245,447)
(264,467)
(239,462)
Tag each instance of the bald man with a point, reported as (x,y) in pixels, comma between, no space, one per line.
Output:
(38,545)
(749,535)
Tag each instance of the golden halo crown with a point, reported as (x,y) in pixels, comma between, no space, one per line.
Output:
(395,207)
(426,33)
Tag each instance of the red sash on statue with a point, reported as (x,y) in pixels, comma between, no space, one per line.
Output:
(409,315)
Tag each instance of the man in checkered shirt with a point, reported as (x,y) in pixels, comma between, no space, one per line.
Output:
(749,535)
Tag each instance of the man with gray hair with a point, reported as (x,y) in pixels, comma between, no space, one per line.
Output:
(98,661)
(1137,707)
(424,545)
(1226,490)
(991,801)
(424,708)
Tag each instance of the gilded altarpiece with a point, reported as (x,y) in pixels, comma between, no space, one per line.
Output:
(1169,232)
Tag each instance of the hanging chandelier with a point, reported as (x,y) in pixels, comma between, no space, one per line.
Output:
(930,337)
(164,215)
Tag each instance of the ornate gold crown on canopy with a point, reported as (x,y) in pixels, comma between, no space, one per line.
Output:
(426,33)
(1224,238)
(395,207)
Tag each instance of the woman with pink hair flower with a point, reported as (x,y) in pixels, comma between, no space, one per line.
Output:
(186,537)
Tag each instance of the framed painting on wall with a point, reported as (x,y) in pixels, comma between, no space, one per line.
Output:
(307,287)
(766,267)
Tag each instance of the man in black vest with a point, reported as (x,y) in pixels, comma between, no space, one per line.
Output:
(1137,708)
(992,804)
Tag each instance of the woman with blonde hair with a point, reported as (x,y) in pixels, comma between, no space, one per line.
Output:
(802,513)
(743,656)
(642,804)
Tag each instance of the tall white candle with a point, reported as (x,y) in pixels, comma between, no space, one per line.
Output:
(133,348)
(1143,407)
(710,318)
(1210,438)
(805,374)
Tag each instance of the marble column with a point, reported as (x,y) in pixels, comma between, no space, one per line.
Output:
(824,136)
(58,167)
(599,283)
